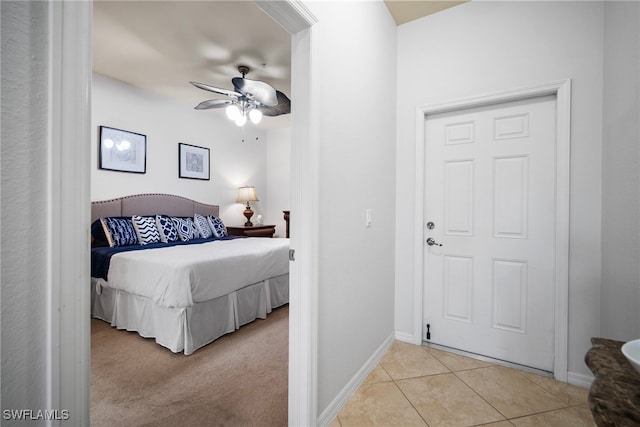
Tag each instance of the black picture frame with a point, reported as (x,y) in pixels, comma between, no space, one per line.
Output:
(193,162)
(121,150)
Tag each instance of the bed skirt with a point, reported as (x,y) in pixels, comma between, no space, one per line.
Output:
(188,329)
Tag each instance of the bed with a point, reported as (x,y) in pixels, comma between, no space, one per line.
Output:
(186,294)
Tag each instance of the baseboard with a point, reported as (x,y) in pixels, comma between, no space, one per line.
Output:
(579,380)
(408,338)
(345,394)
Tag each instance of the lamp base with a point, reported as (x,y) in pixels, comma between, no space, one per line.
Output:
(248,213)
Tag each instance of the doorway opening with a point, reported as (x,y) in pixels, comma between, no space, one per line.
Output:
(74,353)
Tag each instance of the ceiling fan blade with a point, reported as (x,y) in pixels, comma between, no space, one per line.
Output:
(262,92)
(283,107)
(213,103)
(221,91)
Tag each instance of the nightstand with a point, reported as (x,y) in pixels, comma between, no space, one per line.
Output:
(253,231)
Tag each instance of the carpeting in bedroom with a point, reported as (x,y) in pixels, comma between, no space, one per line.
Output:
(238,380)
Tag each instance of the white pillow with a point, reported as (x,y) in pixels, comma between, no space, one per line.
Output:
(146,230)
(202,225)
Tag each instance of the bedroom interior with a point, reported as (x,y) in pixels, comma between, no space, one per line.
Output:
(165,266)
(496,46)
(240,162)
(241,380)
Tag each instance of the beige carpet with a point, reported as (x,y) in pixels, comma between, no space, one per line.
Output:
(238,380)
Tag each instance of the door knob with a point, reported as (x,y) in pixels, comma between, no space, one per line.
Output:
(432,242)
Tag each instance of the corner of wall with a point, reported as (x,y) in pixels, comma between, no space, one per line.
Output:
(356,381)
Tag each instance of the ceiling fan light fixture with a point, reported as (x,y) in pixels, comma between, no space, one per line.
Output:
(253,98)
(233,112)
(255,116)
(241,120)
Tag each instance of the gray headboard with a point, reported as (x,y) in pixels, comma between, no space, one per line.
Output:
(151,204)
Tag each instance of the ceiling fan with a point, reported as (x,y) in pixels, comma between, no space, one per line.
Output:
(252,98)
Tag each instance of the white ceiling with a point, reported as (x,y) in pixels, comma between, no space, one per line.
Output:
(162,45)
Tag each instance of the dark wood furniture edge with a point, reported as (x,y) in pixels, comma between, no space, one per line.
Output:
(252,231)
(286,220)
(614,396)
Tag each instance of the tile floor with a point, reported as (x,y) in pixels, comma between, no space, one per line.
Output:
(419,386)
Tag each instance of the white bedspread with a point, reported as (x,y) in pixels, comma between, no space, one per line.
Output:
(179,276)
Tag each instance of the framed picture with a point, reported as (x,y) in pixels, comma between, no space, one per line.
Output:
(122,151)
(193,162)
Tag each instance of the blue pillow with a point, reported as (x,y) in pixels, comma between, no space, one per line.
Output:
(218,228)
(98,238)
(167,230)
(119,231)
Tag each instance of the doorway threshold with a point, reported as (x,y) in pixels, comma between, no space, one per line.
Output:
(488,359)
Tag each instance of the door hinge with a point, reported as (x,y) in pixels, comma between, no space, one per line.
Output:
(292,254)
(428,331)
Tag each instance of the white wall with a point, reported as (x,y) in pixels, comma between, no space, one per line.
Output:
(165,122)
(278,178)
(621,172)
(356,47)
(484,47)
(25,212)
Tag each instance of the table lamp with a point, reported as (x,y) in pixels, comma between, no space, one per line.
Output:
(247,194)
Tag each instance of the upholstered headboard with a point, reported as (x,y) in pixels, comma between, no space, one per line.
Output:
(151,204)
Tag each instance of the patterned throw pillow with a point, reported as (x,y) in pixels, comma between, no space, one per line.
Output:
(186,228)
(166,228)
(146,229)
(119,231)
(202,225)
(218,228)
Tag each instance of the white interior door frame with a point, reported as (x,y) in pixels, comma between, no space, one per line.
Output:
(298,20)
(69,117)
(69,368)
(562,91)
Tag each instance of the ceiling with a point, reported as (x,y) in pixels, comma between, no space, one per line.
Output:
(404,11)
(163,45)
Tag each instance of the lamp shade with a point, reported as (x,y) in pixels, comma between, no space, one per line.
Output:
(247,194)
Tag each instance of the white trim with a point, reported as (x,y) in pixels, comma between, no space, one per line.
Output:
(354,383)
(563,192)
(69,115)
(580,380)
(292,15)
(408,338)
(303,330)
(562,90)
(303,274)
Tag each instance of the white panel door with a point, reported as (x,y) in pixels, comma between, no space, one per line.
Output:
(490,192)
